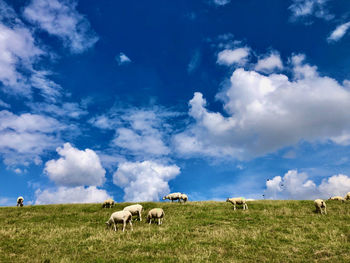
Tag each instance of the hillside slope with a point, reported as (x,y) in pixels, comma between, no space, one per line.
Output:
(270,231)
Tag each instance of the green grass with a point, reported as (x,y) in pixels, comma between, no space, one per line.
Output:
(270,231)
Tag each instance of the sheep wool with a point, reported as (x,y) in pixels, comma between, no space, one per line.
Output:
(320,206)
(120,217)
(238,201)
(135,210)
(156,213)
(20,201)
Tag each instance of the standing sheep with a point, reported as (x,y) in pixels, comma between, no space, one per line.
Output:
(319,204)
(237,201)
(109,203)
(337,198)
(135,210)
(173,196)
(184,198)
(155,213)
(118,217)
(347,197)
(20,200)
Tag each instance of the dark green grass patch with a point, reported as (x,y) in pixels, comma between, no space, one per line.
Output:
(270,231)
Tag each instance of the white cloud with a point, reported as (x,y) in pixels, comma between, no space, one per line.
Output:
(144,181)
(294,185)
(75,167)
(67,109)
(304,8)
(4,104)
(140,132)
(122,59)
(61,19)
(269,63)
(339,32)
(18,55)
(267,113)
(236,56)
(68,195)
(221,2)
(25,137)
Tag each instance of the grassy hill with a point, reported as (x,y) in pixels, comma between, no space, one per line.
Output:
(270,231)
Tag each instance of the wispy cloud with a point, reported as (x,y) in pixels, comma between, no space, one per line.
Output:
(221,2)
(302,9)
(194,62)
(122,59)
(237,56)
(339,32)
(61,19)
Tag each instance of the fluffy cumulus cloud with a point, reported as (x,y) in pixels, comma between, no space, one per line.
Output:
(62,20)
(294,185)
(236,56)
(122,59)
(269,63)
(302,9)
(64,195)
(26,137)
(266,113)
(339,32)
(75,167)
(144,181)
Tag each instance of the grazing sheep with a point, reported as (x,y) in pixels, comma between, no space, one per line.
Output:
(134,210)
(347,197)
(237,201)
(173,196)
(337,198)
(109,203)
(20,200)
(118,217)
(155,213)
(319,204)
(184,198)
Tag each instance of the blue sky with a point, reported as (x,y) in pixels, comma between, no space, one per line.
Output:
(136,99)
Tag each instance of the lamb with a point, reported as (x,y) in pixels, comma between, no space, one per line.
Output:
(109,203)
(20,200)
(337,198)
(118,217)
(184,198)
(173,196)
(319,204)
(155,213)
(347,197)
(238,201)
(134,210)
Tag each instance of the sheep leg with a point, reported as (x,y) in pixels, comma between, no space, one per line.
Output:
(234,207)
(158,221)
(124,224)
(131,226)
(150,221)
(115,227)
(140,216)
(325,211)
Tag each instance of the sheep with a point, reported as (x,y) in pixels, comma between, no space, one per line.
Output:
(20,200)
(134,210)
(184,198)
(237,201)
(155,213)
(347,197)
(109,203)
(120,216)
(173,196)
(337,198)
(319,204)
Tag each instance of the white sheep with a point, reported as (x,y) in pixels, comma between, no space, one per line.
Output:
(337,198)
(135,210)
(173,196)
(155,213)
(237,201)
(347,197)
(118,217)
(20,201)
(109,203)
(319,204)
(184,198)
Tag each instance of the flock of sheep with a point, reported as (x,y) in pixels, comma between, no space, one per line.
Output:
(125,216)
